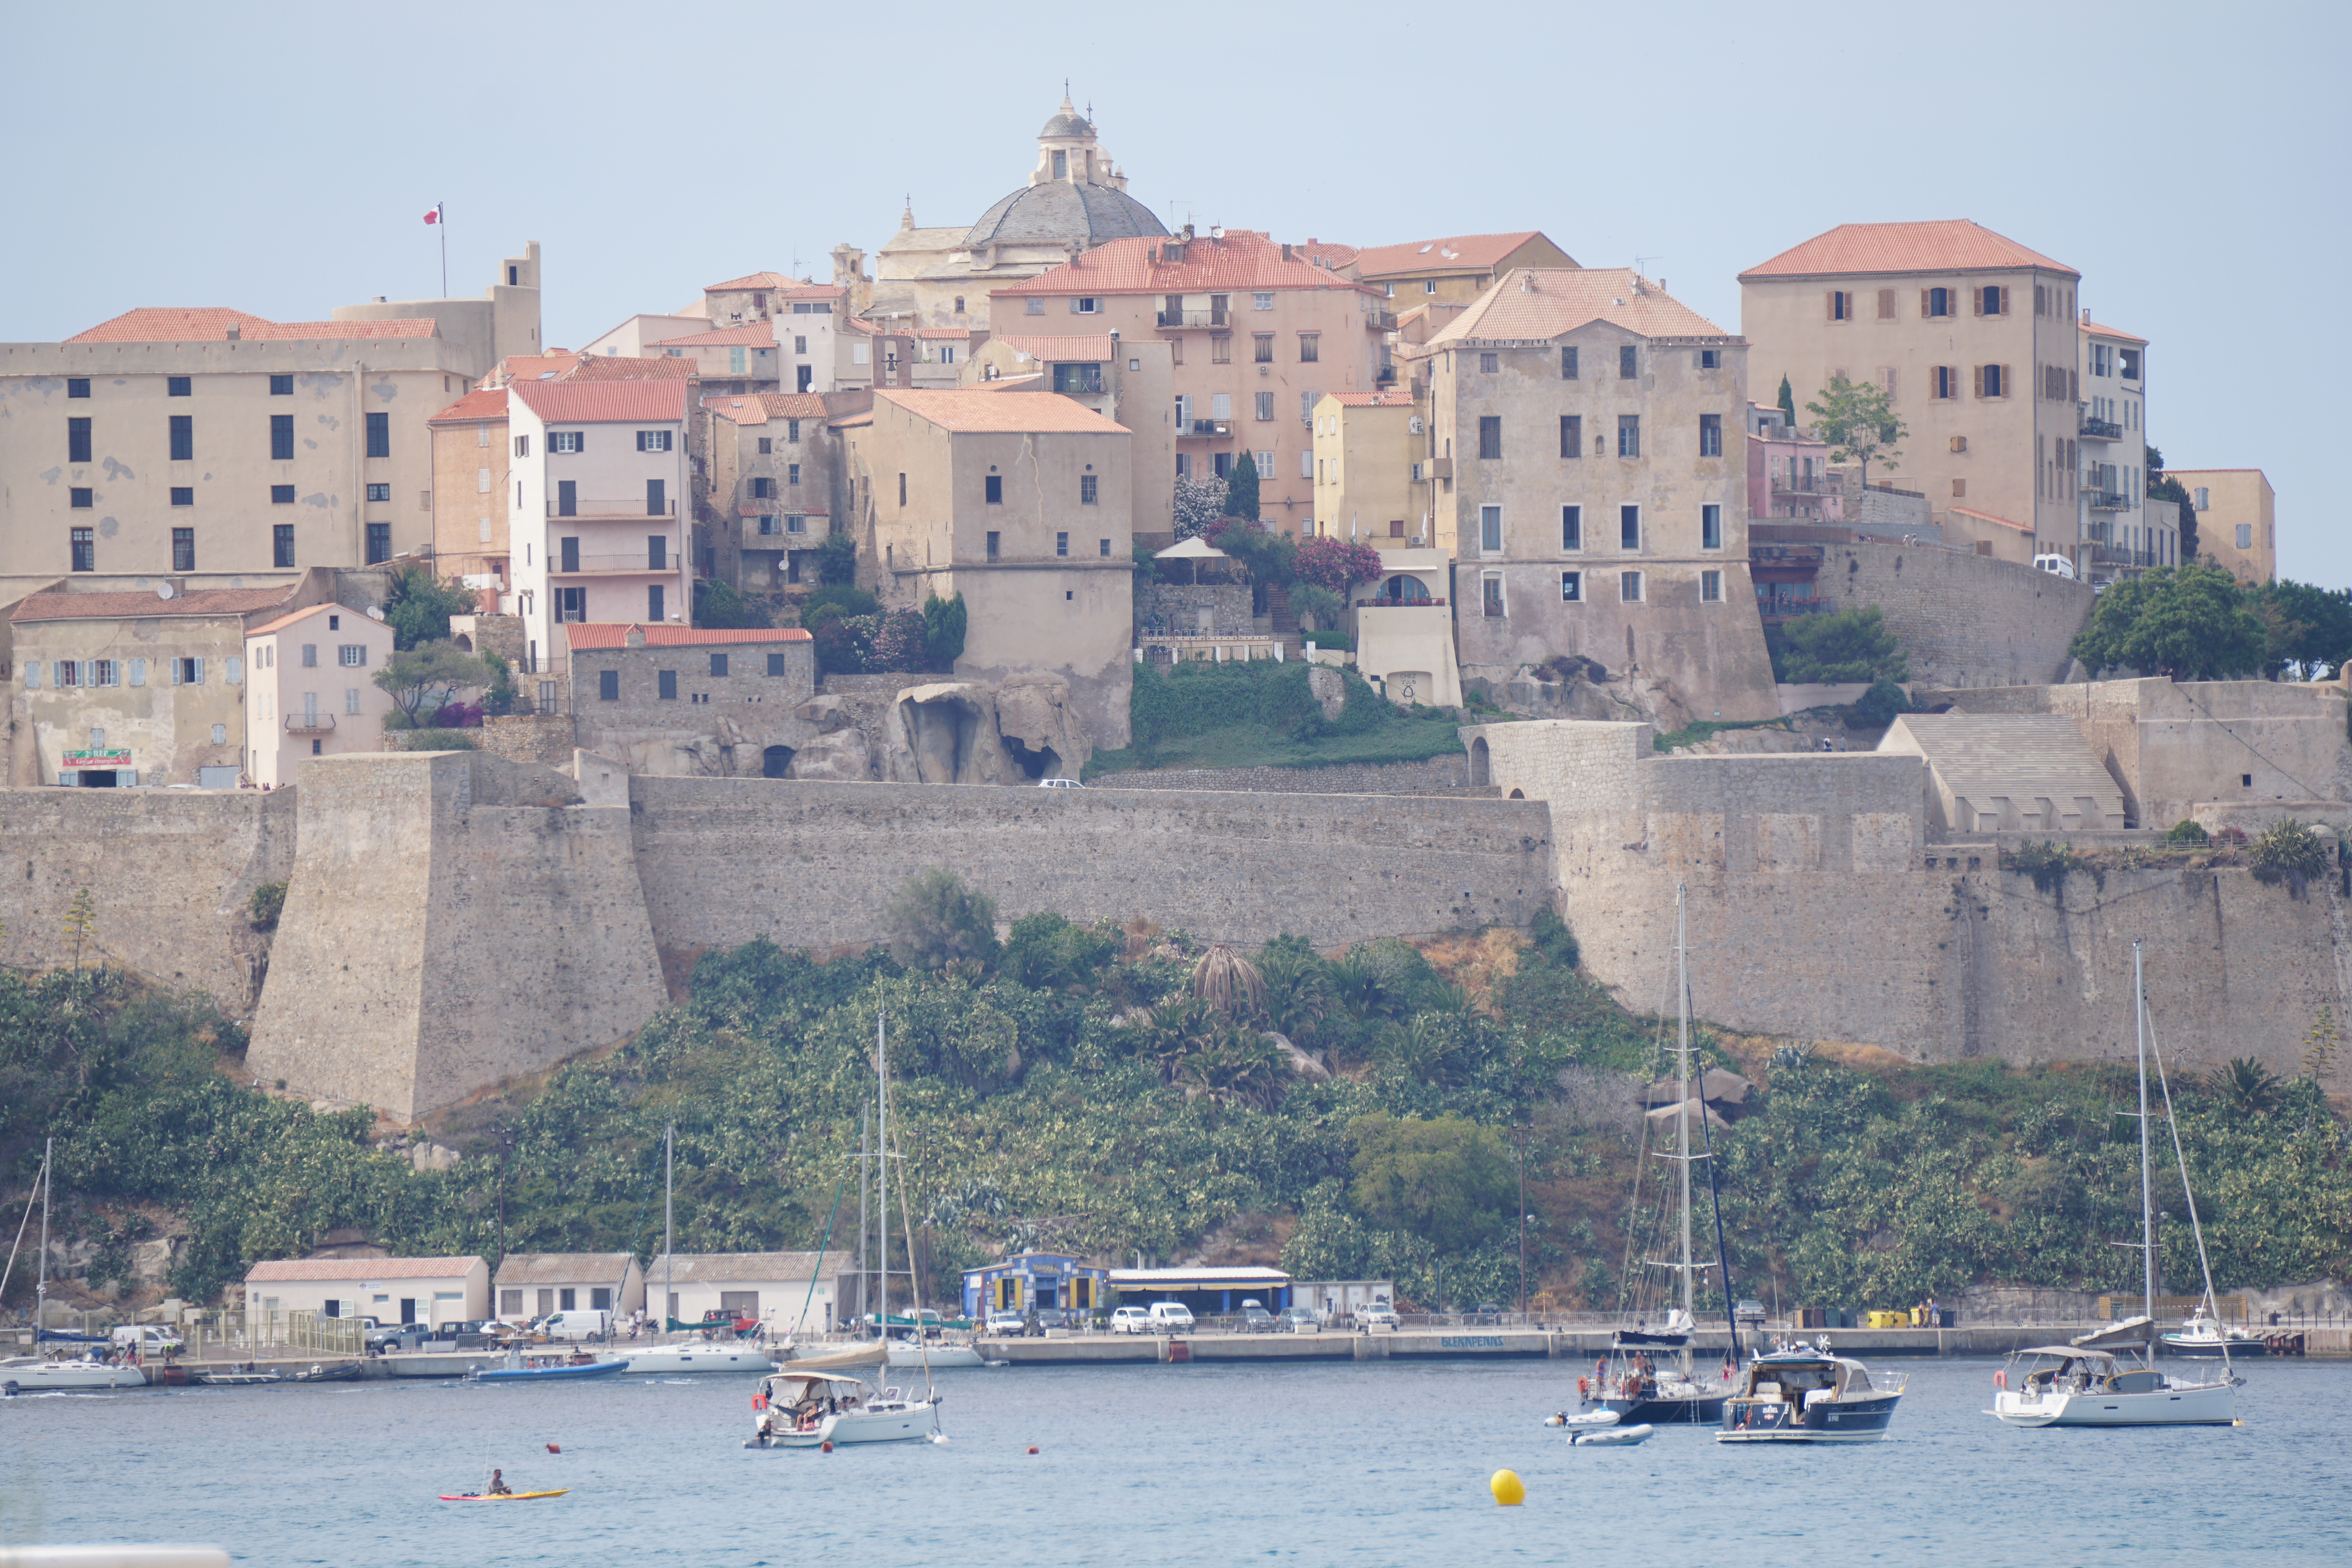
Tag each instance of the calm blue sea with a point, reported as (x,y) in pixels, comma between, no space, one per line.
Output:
(1165,1464)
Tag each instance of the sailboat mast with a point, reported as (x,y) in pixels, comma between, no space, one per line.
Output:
(2146,1194)
(882,1173)
(1682,1094)
(41,1291)
(669,1222)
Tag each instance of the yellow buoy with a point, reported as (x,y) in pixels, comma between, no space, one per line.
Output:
(1508,1490)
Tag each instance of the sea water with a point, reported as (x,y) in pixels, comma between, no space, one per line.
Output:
(1149,1465)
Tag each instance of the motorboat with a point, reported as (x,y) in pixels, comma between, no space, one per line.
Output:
(2203,1334)
(697,1355)
(2084,1384)
(907,1353)
(1803,1394)
(327,1371)
(32,1375)
(236,1378)
(547,1369)
(1582,1419)
(1611,1436)
(820,1409)
(841,1358)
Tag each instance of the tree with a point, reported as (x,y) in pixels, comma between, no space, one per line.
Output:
(1447,1180)
(934,920)
(2322,1045)
(1199,503)
(719,606)
(1270,558)
(1788,401)
(417,606)
(1228,982)
(2185,623)
(898,639)
(81,925)
(1241,489)
(1858,422)
(2163,486)
(1318,604)
(2247,1087)
(431,672)
(1337,564)
(1828,650)
(943,630)
(837,560)
(2309,629)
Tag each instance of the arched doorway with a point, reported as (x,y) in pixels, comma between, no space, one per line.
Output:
(1478,770)
(1403,590)
(776,762)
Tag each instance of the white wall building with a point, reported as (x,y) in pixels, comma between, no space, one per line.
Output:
(2122,533)
(428,1290)
(534,1284)
(310,690)
(787,1293)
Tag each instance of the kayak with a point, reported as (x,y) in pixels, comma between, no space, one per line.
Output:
(501,1495)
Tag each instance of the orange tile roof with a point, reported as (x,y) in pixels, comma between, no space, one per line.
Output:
(406,326)
(1950,244)
(1391,399)
(762,332)
(942,332)
(599,402)
(482,403)
(1088,346)
(1461,253)
(532,367)
(1563,300)
(2004,522)
(623,368)
(2096,330)
(1244,260)
(60,605)
(282,622)
(761,280)
(291,1269)
(758,408)
(211,324)
(614,635)
(1329,253)
(964,409)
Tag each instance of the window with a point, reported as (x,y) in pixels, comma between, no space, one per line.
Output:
(1061,544)
(69,673)
(379,543)
(761,488)
(2102,359)
(1992,300)
(902,490)
(1310,348)
(309,655)
(1088,486)
(1307,471)
(281,544)
(1489,364)
(1262,348)
(717,664)
(522,447)
(179,386)
(2127,364)
(777,664)
(1572,527)
(995,489)
(104,673)
(350,699)
(657,498)
(351,656)
(187,672)
(183,438)
(2198,499)
(1629,436)
(1037,308)
(1571,588)
(84,543)
(379,492)
(1221,349)
(1629,587)
(1085,305)
(558,440)
(1935,303)
(79,497)
(1265,406)
(1992,380)
(184,550)
(657,553)
(1262,301)
(1710,528)
(1628,365)
(1490,435)
(1629,528)
(1841,305)
(766,445)
(1429,286)
(1307,410)
(656,605)
(1102,547)
(735,359)
(1490,528)
(1710,435)
(1943,381)
(792,473)
(77,386)
(653,440)
(281,438)
(184,495)
(1221,406)
(1572,435)
(1710,587)
(994,540)
(1490,595)
(795,522)
(282,386)
(379,435)
(2245,536)
(1265,461)
(666,685)
(1568,364)
(1887,305)
(78,440)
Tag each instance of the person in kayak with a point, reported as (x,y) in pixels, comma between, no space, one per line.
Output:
(498,1487)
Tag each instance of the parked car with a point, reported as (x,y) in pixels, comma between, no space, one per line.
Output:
(1748,1312)
(1255,1319)
(1130,1320)
(581,1322)
(1059,784)
(1171,1317)
(383,1337)
(1046,1318)
(1001,1323)
(1298,1319)
(147,1339)
(1377,1318)
(2056,565)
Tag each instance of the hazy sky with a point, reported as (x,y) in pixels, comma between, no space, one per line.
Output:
(2189,160)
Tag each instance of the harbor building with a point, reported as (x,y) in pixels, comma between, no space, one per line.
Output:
(1029,1280)
(424,1291)
(784,1292)
(1205,1290)
(534,1284)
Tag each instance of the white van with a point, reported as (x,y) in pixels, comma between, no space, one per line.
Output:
(1171,1317)
(147,1339)
(581,1322)
(2056,565)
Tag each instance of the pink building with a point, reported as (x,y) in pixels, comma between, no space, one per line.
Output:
(1788,471)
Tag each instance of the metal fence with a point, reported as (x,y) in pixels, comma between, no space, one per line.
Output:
(217,1335)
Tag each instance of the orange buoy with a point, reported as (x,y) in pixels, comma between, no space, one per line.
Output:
(1033,1447)
(825,1447)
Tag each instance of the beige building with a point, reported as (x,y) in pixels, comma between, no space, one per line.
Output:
(2237,520)
(1454,270)
(1370,477)
(2123,531)
(1130,381)
(424,1291)
(1020,503)
(470,486)
(784,1293)
(534,1284)
(1257,335)
(130,688)
(1591,487)
(503,323)
(765,494)
(310,689)
(1974,337)
(691,701)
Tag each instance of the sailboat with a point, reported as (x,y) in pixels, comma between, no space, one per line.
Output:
(2084,1383)
(32,1373)
(702,1353)
(1648,1376)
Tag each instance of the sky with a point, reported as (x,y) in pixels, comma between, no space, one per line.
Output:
(2187,159)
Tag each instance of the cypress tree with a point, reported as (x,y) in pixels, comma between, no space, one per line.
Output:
(1241,489)
(1788,401)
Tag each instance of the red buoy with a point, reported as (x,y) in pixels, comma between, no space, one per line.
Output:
(1033,1447)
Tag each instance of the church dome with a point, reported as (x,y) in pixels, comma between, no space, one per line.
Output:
(1067,123)
(1060,212)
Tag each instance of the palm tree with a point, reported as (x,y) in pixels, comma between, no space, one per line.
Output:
(1229,982)
(2248,1087)
(1298,992)
(1166,1035)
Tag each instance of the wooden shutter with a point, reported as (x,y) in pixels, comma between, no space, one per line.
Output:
(1980,294)
(1922,301)
(1829,305)
(1979,376)
(2004,380)
(1887,305)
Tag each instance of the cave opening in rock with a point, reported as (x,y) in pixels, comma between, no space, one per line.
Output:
(1041,763)
(776,762)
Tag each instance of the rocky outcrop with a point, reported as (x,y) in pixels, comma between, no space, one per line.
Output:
(842,755)
(945,734)
(1038,726)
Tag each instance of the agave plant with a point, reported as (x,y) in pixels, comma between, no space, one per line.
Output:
(1229,982)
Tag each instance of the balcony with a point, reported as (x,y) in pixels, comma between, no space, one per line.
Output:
(2122,555)
(1785,554)
(310,724)
(611,507)
(1220,321)
(1386,376)
(1783,609)
(1207,428)
(1083,380)
(1806,485)
(2107,501)
(630,563)
(2100,429)
(1381,320)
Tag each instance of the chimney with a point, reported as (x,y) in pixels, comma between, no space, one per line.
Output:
(635,637)
(1285,250)
(1527,283)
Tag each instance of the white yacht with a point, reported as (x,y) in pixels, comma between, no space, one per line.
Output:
(33,1374)
(696,1355)
(935,1355)
(815,1409)
(2202,1333)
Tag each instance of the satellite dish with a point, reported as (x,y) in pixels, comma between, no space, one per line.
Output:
(162,591)
(376,611)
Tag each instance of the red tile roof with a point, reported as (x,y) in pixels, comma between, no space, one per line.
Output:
(964,409)
(759,280)
(282,622)
(60,605)
(211,324)
(623,368)
(1391,399)
(758,408)
(614,635)
(1460,253)
(2098,331)
(1083,346)
(597,401)
(408,327)
(942,332)
(1950,244)
(293,1268)
(762,332)
(1329,253)
(1563,300)
(533,367)
(1244,260)
(479,404)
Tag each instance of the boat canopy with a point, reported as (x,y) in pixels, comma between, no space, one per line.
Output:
(2136,1330)
(2064,1353)
(811,1379)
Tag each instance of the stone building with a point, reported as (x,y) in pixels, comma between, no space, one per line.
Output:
(765,494)
(1455,270)
(470,488)
(1020,503)
(691,700)
(310,689)
(1590,495)
(1258,335)
(1972,335)
(2237,520)
(1130,381)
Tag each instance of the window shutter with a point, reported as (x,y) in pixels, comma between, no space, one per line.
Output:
(233,671)
(1923,302)
(1979,298)
(175,670)
(138,672)
(1829,306)
(1980,381)
(2004,380)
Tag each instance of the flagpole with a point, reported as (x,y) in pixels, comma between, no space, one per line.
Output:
(443,208)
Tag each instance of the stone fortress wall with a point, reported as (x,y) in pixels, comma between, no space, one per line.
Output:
(1963,620)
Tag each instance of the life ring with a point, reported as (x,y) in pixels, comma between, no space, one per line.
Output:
(759,1402)
(2000,1379)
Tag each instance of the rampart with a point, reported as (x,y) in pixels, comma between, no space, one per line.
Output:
(1963,620)
(1444,775)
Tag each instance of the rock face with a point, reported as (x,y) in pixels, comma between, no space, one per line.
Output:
(841,756)
(945,734)
(828,713)
(1038,726)
(1329,688)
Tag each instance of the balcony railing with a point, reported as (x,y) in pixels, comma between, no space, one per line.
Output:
(1382,320)
(1785,554)
(1081,379)
(1770,608)
(1806,485)
(611,507)
(1209,427)
(2122,555)
(2107,501)
(1217,318)
(2100,429)
(1385,376)
(634,562)
(310,724)
(1400,604)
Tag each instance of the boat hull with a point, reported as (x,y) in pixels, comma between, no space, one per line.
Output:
(2212,1405)
(502,1496)
(906,1423)
(668,1359)
(68,1374)
(1861,1420)
(940,1355)
(2211,1350)
(1665,1410)
(545,1373)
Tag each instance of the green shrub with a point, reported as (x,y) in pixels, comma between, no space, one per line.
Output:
(934,920)
(431,740)
(2291,852)
(1879,706)
(1832,650)
(2186,832)
(268,903)
(2049,864)
(943,630)
(845,598)
(1326,639)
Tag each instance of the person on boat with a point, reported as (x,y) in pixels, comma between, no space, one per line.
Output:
(498,1487)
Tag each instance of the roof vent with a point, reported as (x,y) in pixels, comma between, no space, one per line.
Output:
(236,332)
(1527,283)
(1425,250)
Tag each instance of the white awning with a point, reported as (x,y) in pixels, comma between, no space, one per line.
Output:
(1195,549)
